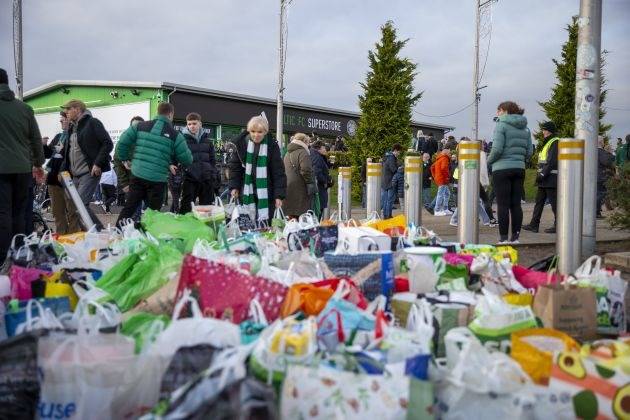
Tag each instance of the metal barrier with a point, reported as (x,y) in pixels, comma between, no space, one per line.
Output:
(413,190)
(570,202)
(374,172)
(344,192)
(86,219)
(468,191)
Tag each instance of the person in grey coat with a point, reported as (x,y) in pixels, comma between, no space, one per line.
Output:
(390,167)
(300,180)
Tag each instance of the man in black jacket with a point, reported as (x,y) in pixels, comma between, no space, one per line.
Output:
(86,156)
(320,165)
(199,178)
(605,169)
(390,167)
(547,178)
(54,151)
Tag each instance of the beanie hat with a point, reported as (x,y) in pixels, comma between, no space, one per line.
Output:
(4,77)
(549,126)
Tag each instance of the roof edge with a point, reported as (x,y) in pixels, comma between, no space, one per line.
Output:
(57,83)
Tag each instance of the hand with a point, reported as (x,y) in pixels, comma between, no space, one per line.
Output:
(39,175)
(96,170)
(234,193)
(44,141)
(173,169)
(278,203)
(127,165)
(126,189)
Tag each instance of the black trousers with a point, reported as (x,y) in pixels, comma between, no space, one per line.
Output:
(142,190)
(13,204)
(487,204)
(508,185)
(191,190)
(542,196)
(109,195)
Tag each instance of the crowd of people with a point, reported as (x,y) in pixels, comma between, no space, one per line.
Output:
(153,157)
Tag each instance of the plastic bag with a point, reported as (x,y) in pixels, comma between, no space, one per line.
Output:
(170,226)
(305,297)
(187,363)
(155,268)
(144,328)
(253,327)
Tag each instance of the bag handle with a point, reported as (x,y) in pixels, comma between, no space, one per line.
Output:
(218,202)
(343,289)
(279,214)
(194,306)
(257,313)
(378,304)
(590,267)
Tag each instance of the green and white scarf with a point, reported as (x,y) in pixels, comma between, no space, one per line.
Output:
(260,188)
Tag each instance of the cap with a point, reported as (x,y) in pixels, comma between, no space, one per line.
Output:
(549,126)
(73,103)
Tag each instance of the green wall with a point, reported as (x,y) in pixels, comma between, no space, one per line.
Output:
(94,96)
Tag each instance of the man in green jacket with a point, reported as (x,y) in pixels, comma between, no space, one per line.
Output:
(21,158)
(622,154)
(158,146)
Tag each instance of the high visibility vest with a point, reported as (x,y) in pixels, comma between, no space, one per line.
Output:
(542,156)
(456,173)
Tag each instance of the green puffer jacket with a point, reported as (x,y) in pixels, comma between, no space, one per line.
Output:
(157,145)
(511,143)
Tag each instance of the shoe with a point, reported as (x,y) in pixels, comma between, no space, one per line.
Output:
(439,213)
(490,224)
(514,240)
(551,230)
(523,201)
(504,242)
(104,208)
(448,212)
(494,222)
(452,224)
(530,228)
(430,210)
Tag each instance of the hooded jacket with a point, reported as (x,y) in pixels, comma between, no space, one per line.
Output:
(20,141)
(300,179)
(203,168)
(440,170)
(94,142)
(276,178)
(511,143)
(390,166)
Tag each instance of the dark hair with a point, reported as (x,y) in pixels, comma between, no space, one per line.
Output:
(397,147)
(4,77)
(136,118)
(165,108)
(318,144)
(511,108)
(193,116)
(63,114)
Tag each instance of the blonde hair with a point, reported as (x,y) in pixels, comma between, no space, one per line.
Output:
(258,122)
(301,137)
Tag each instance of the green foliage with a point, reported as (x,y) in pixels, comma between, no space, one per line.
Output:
(560,108)
(386,103)
(619,194)
(341,159)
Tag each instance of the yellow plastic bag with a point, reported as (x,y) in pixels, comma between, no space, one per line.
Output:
(506,252)
(55,289)
(71,238)
(394,226)
(519,299)
(533,349)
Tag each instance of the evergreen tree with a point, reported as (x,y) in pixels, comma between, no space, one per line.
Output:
(386,103)
(560,108)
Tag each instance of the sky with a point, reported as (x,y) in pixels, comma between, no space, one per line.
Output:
(232,45)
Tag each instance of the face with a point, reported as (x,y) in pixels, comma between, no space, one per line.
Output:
(546,133)
(64,122)
(257,134)
(193,126)
(501,112)
(73,113)
(323,150)
(426,157)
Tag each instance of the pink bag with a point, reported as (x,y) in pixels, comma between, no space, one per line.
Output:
(224,292)
(456,259)
(21,279)
(531,279)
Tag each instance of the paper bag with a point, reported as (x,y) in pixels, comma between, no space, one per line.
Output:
(572,310)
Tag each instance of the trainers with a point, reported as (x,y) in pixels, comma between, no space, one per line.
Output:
(104,208)
(439,213)
(448,212)
(452,224)
(504,242)
(514,242)
(530,228)
(551,230)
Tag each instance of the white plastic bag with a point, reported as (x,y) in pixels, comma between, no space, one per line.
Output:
(496,276)
(186,332)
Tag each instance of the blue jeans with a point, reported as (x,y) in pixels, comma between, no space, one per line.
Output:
(441,201)
(426,197)
(483,215)
(387,202)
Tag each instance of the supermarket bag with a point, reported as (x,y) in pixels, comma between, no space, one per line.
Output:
(595,391)
(19,384)
(533,349)
(35,314)
(224,292)
(143,328)
(185,227)
(570,309)
(21,279)
(255,325)
(186,364)
(322,392)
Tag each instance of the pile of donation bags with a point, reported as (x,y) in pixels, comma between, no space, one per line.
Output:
(215,315)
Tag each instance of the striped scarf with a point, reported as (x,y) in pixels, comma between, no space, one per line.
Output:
(260,189)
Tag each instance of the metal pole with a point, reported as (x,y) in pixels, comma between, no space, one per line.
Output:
(279,114)
(587,89)
(570,179)
(468,194)
(344,192)
(86,219)
(475,135)
(374,172)
(413,190)
(17,39)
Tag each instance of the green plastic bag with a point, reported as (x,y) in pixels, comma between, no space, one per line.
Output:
(185,227)
(151,272)
(119,272)
(143,327)
(454,278)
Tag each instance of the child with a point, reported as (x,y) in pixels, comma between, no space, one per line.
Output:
(442,176)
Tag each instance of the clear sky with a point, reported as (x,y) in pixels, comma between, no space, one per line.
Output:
(232,45)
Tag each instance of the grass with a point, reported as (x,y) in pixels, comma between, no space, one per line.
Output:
(530,187)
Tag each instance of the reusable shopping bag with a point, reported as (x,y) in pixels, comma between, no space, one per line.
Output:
(569,309)
(224,292)
(185,227)
(533,349)
(21,279)
(322,393)
(28,314)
